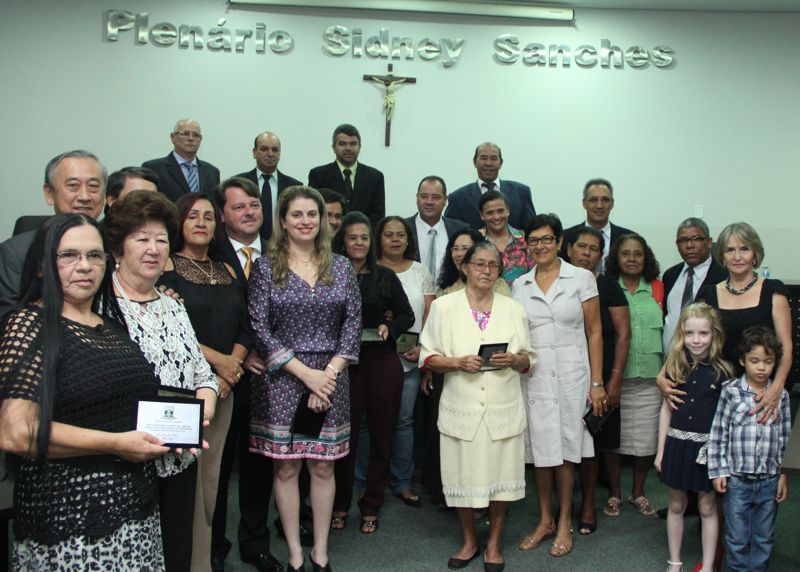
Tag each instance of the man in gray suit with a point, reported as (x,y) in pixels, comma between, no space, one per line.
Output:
(488,160)
(432,231)
(181,172)
(75,182)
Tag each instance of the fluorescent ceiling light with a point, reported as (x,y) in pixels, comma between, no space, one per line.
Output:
(507,9)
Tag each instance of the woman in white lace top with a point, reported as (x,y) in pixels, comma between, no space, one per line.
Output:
(139,229)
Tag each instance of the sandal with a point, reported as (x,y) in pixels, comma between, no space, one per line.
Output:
(612,506)
(532,541)
(338,522)
(369,526)
(642,505)
(559,549)
(670,564)
(586,528)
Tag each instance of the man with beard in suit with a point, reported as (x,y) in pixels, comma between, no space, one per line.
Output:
(598,201)
(431,229)
(361,185)
(464,202)
(181,171)
(267,177)
(239,202)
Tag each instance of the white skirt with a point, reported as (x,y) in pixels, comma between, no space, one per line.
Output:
(477,472)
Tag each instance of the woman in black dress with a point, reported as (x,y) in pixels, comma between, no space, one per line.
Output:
(85,494)
(214,300)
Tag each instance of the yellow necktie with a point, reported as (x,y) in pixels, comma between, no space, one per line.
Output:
(248,260)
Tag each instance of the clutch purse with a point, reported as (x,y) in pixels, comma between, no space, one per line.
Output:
(594,423)
(307,422)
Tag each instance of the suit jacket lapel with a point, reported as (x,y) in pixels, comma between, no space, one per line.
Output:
(176,173)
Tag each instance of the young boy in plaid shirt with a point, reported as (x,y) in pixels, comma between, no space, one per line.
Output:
(744,456)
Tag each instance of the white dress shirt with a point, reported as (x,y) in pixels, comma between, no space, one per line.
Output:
(237,248)
(496,184)
(424,242)
(676,296)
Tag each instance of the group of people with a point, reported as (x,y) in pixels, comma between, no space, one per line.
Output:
(309,323)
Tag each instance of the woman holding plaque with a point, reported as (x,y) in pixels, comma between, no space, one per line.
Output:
(479,341)
(306,317)
(140,229)
(395,247)
(85,494)
(376,382)
(214,300)
(563,310)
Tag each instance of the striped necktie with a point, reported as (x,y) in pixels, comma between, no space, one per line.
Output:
(248,260)
(194,184)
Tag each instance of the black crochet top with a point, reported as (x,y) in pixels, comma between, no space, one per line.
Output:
(101,375)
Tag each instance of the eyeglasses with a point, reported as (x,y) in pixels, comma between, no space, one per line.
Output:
(547,239)
(684,240)
(72,257)
(481,266)
(195,134)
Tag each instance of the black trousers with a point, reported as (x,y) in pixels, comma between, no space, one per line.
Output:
(177,495)
(432,473)
(255,485)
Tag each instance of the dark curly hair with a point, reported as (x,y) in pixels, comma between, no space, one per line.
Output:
(651,267)
(449,274)
(135,210)
(411,246)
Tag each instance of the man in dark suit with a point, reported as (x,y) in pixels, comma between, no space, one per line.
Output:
(429,224)
(598,200)
(181,171)
(684,281)
(361,185)
(463,203)
(267,177)
(239,202)
(75,182)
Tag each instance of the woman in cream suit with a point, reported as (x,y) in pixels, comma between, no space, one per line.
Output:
(481,413)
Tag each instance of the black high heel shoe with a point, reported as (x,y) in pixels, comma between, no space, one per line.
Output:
(290,568)
(317,568)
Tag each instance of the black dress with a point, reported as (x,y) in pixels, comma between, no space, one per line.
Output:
(679,467)
(214,301)
(611,296)
(735,322)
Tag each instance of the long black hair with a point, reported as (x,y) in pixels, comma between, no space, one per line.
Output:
(449,274)
(411,244)
(40,283)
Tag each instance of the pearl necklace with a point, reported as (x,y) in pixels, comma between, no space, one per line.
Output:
(738,292)
(153,322)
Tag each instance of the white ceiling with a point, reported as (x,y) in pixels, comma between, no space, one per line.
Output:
(703,5)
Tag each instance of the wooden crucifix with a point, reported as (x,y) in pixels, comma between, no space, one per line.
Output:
(389,82)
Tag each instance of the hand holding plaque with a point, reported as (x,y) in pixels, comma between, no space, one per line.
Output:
(486,351)
(176,421)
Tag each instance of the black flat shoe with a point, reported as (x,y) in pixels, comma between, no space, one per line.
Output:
(317,568)
(412,500)
(493,566)
(264,562)
(459,563)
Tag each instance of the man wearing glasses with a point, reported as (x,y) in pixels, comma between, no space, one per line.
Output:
(685,280)
(181,171)
(598,201)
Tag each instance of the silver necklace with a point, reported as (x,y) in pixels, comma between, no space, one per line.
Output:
(151,321)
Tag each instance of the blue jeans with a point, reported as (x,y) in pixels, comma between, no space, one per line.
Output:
(750,510)
(403,451)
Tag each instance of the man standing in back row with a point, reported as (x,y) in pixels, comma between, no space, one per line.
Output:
(181,171)
(362,186)
(270,181)
(464,202)
(598,201)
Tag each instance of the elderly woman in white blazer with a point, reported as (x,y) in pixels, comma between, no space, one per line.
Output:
(482,416)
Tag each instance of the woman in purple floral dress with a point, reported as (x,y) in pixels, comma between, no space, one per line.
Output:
(305,309)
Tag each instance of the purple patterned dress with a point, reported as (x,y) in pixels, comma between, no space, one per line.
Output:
(312,325)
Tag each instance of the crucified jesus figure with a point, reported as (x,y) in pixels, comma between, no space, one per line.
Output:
(389,82)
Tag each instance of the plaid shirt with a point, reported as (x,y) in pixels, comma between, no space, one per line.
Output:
(738,444)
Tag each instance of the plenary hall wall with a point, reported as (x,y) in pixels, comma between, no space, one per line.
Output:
(696,112)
